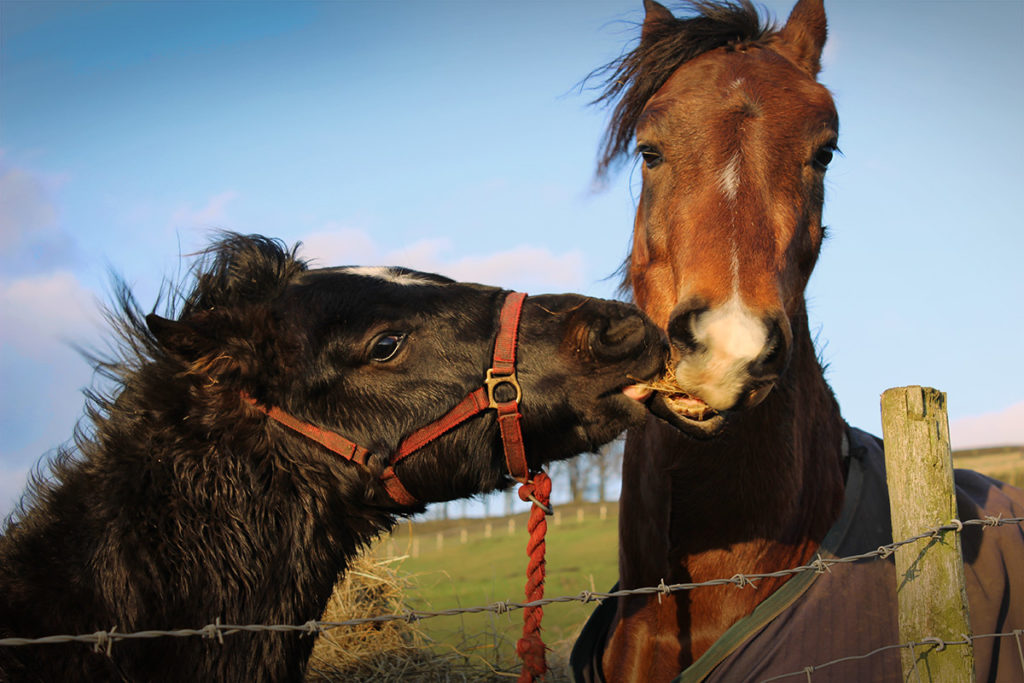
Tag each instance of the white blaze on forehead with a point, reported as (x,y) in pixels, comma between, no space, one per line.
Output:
(734,270)
(395,275)
(729,177)
(729,337)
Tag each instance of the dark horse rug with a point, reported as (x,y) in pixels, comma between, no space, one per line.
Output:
(850,610)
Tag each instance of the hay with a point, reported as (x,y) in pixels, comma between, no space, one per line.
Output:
(665,384)
(392,650)
(399,650)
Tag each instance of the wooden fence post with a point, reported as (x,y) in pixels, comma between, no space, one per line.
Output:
(930,572)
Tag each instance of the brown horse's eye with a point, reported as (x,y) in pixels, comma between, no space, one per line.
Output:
(651,156)
(823,157)
(386,347)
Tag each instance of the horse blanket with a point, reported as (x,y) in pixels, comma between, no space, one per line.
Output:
(850,610)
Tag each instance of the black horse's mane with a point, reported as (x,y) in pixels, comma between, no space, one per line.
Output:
(240,268)
(632,79)
(234,269)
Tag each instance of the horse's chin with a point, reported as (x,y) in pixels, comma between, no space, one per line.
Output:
(697,421)
(694,417)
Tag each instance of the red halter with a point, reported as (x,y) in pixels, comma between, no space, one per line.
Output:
(502,371)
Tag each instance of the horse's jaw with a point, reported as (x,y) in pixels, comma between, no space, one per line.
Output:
(699,422)
(692,416)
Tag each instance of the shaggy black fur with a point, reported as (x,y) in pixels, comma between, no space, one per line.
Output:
(631,80)
(183,504)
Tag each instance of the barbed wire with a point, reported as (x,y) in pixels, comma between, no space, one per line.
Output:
(938,644)
(104,640)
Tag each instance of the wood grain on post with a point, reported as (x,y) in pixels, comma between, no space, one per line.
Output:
(930,572)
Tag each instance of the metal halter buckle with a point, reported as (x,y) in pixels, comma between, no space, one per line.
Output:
(490,381)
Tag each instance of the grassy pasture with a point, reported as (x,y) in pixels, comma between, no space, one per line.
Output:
(581,555)
(477,562)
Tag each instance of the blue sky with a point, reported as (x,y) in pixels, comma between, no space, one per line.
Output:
(452,136)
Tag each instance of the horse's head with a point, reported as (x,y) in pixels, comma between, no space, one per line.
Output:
(734,133)
(375,354)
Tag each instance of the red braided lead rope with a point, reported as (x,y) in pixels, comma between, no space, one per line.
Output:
(531,646)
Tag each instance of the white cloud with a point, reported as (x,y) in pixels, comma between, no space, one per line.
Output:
(38,311)
(25,207)
(528,264)
(31,234)
(527,267)
(335,245)
(213,214)
(1002,428)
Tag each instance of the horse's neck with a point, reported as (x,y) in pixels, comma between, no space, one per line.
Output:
(230,527)
(756,499)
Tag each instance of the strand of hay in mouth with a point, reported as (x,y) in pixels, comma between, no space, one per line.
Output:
(679,401)
(664,384)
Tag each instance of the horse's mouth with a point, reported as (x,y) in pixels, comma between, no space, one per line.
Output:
(688,406)
(675,399)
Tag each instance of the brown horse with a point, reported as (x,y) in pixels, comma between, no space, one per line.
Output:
(749,464)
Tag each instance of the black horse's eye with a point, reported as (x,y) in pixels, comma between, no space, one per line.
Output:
(651,156)
(823,156)
(386,347)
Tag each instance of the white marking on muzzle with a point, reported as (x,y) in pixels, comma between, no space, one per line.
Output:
(729,338)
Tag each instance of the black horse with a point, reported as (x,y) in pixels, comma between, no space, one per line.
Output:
(212,483)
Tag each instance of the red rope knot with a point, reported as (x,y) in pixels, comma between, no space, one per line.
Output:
(531,646)
(537,491)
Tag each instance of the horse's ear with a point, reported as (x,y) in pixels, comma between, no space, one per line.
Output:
(655,15)
(178,337)
(803,36)
(204,353)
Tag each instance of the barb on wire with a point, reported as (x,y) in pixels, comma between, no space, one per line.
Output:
(938,643)
(820,564)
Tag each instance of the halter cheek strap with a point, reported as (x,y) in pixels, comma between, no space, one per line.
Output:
(501,372)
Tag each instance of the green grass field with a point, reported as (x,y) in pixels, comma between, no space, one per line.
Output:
(581,555)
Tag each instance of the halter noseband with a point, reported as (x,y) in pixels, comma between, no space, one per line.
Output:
(501,372)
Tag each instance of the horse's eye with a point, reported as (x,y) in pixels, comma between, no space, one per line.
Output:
(652,157)
(386,347)
(823,156)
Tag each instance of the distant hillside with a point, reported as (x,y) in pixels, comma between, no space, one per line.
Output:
(1005,463)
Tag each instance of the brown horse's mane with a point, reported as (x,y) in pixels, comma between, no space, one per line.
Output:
(667,44)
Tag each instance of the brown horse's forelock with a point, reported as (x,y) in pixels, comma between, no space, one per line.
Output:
(633,78)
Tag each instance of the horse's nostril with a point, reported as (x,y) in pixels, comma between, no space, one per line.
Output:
(773,359)
(619,338)
(681,329)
